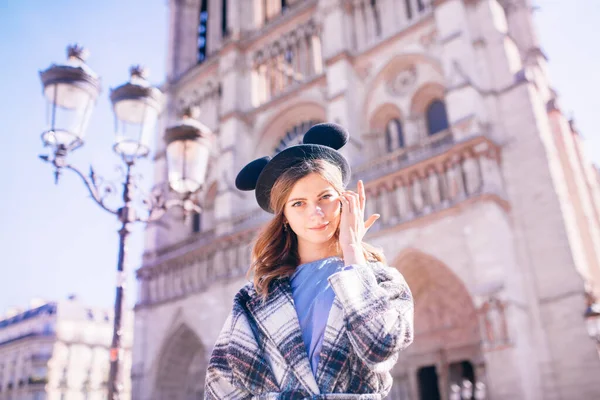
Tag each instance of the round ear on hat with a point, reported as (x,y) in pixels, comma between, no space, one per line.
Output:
(327,134)
(246,179)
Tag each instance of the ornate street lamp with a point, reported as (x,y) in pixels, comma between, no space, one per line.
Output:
(136,105)
(189,143)
(71,90)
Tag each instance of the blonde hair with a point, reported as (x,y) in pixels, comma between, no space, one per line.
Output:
(275,251)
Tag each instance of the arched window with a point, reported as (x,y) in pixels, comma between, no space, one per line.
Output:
(394,137)
(202,31)
(437,119)
(377,17)
(294,135)
(224,27)
(408,8)
(274,8)
(196,222)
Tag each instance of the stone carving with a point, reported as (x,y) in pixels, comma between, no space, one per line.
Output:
(403,81)
(493,323)
(210,90)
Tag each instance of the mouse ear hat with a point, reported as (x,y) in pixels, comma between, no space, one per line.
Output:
(322,142)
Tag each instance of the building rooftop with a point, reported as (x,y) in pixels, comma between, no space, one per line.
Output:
(48,308)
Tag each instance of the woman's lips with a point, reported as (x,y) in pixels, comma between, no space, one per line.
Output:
(320,227)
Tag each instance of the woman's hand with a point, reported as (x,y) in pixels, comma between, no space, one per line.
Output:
(353,226)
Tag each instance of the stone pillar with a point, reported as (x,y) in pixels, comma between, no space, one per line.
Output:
(459,61)
(234,25)
(413,383)
(433,188)
(302,55)
(368,22)
(456,186)
(574,165)
(342,83)
(359,26)
(442,174)
(388,17)
(520,24)
(317,61)
(416,194)
(215,15)
(183,36)
(401,193)
(472,175)
(488,158)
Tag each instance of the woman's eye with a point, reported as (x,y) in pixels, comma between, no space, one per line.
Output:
(326,196)
(296,204)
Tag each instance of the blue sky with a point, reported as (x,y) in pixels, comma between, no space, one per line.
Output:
(54,239)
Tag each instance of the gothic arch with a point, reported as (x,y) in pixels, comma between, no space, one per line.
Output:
(382,115)
(424,96)
(181,366)
(273,130)
(445,315)
(392,67)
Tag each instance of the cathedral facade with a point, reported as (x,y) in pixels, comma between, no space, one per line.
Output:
(488,207)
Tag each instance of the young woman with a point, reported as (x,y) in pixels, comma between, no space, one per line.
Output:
(324,317)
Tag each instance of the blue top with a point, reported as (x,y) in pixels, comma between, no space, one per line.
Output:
(313,298)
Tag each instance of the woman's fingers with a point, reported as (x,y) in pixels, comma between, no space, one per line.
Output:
(369,223)
(361,194)
(352,201)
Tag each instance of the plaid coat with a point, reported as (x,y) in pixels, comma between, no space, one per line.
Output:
(260,353)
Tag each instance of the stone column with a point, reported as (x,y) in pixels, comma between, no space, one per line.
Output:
(316,51)
(342,82)
(215,15)
(472,175)
(459,61)
(456,187)
(401,193)
(368,22)
(490,172)
(416,193)
(234,26)
(233,69)
(302,55)
(359,26)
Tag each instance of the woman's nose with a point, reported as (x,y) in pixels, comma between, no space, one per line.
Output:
(318,211)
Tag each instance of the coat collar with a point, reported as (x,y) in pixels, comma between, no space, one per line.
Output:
(277,318)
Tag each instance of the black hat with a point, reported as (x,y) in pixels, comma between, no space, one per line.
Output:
(320,142)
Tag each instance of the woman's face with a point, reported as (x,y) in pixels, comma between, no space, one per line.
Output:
(313,209)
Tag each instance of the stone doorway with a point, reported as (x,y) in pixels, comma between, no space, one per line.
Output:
(447,347)
(181,368)
(428,383)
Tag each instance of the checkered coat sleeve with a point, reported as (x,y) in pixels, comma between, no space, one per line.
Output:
(260,353)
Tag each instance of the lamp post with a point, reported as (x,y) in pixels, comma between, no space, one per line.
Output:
(71,90)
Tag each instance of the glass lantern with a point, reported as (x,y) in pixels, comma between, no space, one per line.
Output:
(71,90)
(136,105)
(189,144)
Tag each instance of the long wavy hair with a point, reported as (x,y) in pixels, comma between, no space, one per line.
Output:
(275,251)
